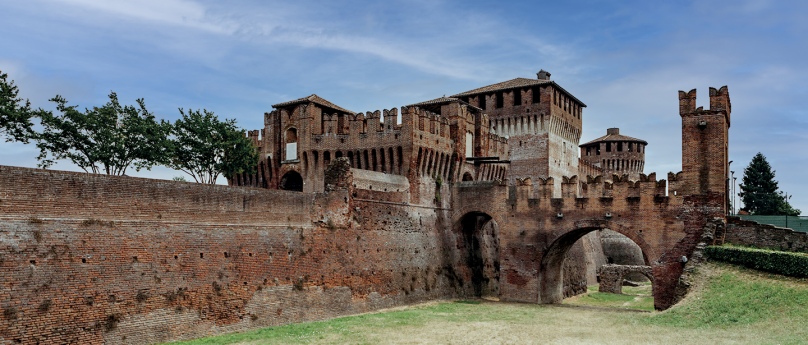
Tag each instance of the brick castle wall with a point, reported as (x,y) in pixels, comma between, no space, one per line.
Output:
(98,259)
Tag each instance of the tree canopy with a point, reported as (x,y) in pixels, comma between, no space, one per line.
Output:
(759,190)
(107,139)
(205,147)
(15,114)
(111,138)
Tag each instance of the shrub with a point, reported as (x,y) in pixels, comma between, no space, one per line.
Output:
(772,261)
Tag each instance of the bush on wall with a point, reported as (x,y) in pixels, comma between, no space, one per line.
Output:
(785,263)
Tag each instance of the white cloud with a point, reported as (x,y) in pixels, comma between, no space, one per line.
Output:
(172,12)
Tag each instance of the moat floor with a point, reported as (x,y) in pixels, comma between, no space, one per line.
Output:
(729,305)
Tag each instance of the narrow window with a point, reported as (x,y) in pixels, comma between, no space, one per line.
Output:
(391,160)
(291,144)
(469,144)
(375,165)
(608,147)
(482,101)
(500,99)
(517,97)
(382,166)
(620,146)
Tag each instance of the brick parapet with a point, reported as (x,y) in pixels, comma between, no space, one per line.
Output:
(751,233)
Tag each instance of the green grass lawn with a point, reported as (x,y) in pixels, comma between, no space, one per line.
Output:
(639,298)
(729,305)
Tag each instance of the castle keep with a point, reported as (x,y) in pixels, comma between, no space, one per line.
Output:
(482,193)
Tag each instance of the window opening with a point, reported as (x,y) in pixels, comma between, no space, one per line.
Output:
(291,144)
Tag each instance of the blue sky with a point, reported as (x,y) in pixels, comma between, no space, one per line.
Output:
(626,60)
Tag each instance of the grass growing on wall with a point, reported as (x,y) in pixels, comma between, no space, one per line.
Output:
(733,299)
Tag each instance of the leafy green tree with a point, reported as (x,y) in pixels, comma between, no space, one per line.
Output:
(759,190)
(204,147)
(106,139)
(15,114)
(786,208)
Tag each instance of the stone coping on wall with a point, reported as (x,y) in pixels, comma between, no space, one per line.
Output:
(379,181)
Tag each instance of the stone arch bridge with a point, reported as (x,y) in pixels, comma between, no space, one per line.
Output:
(536,233)
(665,218)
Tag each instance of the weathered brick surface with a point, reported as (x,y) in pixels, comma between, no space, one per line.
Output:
(751,233)
(611,276)
(160,260)
(91,259)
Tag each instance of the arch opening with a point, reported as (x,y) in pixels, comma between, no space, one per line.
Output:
(621,250)
(477,236)
(551,272)
(292,181)
(467,177)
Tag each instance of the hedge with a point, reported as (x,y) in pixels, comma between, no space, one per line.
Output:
(785,263)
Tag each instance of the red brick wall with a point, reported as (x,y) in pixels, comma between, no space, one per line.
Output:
(92,259)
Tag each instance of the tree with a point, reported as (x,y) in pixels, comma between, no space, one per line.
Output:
(108,139)
(15,114)
(759,190)
(205,147)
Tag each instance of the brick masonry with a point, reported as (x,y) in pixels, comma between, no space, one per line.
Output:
(101,259)
(751,233)
(611,276)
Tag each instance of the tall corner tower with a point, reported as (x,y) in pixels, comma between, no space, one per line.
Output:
(705,142)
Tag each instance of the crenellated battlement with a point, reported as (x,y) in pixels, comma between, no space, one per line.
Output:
(719,103)
(596,187)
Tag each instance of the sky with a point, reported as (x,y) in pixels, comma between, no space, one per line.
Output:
(626,60)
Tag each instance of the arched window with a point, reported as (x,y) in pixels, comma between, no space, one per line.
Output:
(291,144)
(292,181)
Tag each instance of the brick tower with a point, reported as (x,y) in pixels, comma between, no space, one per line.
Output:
(705,143)
(541,120)
(616,154)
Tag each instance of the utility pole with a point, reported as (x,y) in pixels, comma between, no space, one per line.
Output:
(733,194)
(786,197)
(732,191)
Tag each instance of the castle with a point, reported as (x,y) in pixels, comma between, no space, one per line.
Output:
(514,130)
(482,193)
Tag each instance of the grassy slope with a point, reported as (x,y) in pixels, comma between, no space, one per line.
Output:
(728,305)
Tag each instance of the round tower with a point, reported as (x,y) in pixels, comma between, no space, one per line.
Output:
(616,154)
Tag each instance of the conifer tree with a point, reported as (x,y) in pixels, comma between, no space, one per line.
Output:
(759,190)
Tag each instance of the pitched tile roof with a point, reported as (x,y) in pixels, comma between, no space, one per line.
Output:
(314,99)
(443,100)
(615,137)
(514,84)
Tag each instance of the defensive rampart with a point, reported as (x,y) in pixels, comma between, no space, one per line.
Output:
(98,259)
